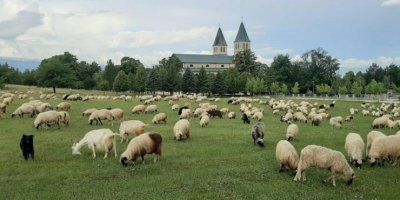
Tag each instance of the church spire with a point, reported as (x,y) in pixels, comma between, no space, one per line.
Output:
(242,41)
(220,46)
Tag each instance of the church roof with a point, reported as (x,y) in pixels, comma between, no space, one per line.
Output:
(219,39)
(242,34)
(200,58)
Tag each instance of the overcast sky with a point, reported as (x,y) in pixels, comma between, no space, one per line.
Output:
(357,32)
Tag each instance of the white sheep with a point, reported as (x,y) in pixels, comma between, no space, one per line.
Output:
(371,138)
(231,115)
(181,129)
(204,120)
(117,113)
(198,112)
(131,127)
(147,143)
(258,115)
(64,117)
(292,131)
(88,112)
(224,110)
(175,107)
(384,148)
(354,146)
(336,122)
(43,107)
(63,106)
(186,114)
(151,109)
(287,156)
(101,139)
(47,118)
(158,118)
(138,109)
(25,109)
(324,158)
(380,122)
(99,115)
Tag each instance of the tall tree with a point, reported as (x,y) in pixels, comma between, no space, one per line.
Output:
(152,80)
(374,72)
(130,65)
(110,72)
(140,80)
(245,61)
(218,85)
(169,73)
(282,69)
(202,81)
(121,82)
(188,81)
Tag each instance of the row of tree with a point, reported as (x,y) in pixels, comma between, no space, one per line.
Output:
(315,72)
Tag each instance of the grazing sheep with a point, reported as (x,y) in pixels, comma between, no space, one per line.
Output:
(25,109)
(3,108)
(43,107)
(100,139)
(147,143)
(275,112)
(336,122)
(204,120)
(385,148)
(138,109)
(291,132)
(245,118)
(371,138)
(287,156)
(63,106)
(332,105)
(257,134)
(380,122)
(299,116)
(151,109)
(131,127)
(349,118)
(48,117)
(215,113)
(231,115)
(88,112)
(354,146)
(158,118)
(224,110)
(365,112)
(186,114)
(258,116)
(8,100)
(182,108)
(175,107)
(181,129)
(99,115)
(316,120)
(324,158)
(64,117)
(117,113)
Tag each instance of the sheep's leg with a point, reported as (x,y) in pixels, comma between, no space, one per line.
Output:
(101,122)
(142,159)
(115,149)
(93,150)
(303,174)
(106,150)
(281,169)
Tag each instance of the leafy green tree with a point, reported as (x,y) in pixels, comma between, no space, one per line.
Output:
(202,81)
(169,74)
(188,81)
(231,81)
(343,90)
(282,69)
(130,65)
(295,88)
(29,77)
(218,85)
(152,80)
(323,89)
(284,88)
(356,89)
(245,61)
(140,80)
(275,88)
(110,72)
(250,84)
(121,82)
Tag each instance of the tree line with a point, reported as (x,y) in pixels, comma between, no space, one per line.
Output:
(315,72)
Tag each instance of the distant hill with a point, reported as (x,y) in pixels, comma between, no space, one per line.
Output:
(20,64)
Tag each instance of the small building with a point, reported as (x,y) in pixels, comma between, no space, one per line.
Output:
(219,60)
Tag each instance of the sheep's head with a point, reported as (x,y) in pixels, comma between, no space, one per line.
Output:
(75,150)
(351,178)
(124,161)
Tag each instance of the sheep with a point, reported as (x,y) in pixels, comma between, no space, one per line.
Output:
(292,131)
(48,117)
(8,100)
(158,118)
(258,116)
(365,112)
(186,114)
(43,107)
(117,113)
(63,106)
(287,156)
(138,109)
(101,139)
(349,118)
(275,112)
(245,118)
(64,117)
(204,120)
(380,122)
(151,109)
(181,109)
(24,109)
(231,115)
(336,122)
(371,137)
(181,129)
(88,112)
(224,110)
(175,107)
(215,113)
(3,108)
(384,148)
(316,120)
(99,115)
(324,158)
(147,143)
(257,134)
(354,146)
(131,127)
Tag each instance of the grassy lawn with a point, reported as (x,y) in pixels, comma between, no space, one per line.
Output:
(218,162)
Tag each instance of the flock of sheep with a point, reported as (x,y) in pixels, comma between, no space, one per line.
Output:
(379,148)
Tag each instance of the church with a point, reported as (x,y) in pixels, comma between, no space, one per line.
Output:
(219,60)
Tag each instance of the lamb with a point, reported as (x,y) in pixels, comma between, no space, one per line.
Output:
(257,134)
(138,109)
(147,143)
(88,112)
(181,129)
(100,139)
(287,156)
(324,158)
(64,117)
(231,115)
(63,106)
(258,116)
(151,109)
(49,117)
(25,109)
(204,120)
(354,146)
(131,127)
(158,118)
(371,137)
(336,122)
(292,131)
(99,115)
(245,118)
(117,113)
(384,148)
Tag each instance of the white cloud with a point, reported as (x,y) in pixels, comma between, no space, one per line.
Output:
(391,2)
(266,55)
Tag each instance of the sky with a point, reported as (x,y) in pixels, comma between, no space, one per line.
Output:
(356,32)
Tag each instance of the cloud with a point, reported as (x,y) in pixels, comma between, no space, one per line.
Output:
(391,3)
(18,25)
(266,55)
(356,65)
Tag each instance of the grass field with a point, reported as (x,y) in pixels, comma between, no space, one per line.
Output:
(218,162)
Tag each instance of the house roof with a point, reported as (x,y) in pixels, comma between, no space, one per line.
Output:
(200,58)
(242,34)
(219,39)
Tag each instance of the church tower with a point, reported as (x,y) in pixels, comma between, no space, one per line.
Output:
(220,47)
(242,41)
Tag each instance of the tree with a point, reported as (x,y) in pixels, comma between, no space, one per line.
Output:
(275,88)
(231,81)
(140,80)
(295,88)
(374,72)
(282,69)
(110,72)
(152,81)
(284,88)
(121,82)
(245,61)
(356,89)
(323,89)
(130,65)
(202,81)
(343,90)
(169,74)
(188,81)
(218,85)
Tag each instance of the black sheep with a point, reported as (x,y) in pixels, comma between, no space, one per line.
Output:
(245,119)
(257,134)
(26,146)
(180,109)
(215,113)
